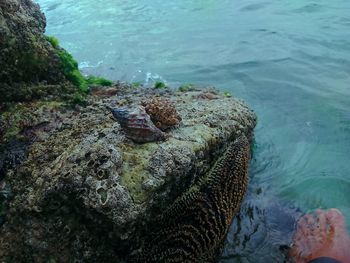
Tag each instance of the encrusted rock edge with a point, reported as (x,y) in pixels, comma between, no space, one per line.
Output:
(87,192)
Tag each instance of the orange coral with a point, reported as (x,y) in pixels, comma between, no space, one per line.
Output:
(162,112)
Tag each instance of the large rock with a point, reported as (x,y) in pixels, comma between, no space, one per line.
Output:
(87,192)
(26,57)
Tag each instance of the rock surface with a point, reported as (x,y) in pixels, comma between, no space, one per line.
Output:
(87,192)
(26,57)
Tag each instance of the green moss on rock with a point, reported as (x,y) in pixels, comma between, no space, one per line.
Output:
(71,70)
(186,87)
(98,81)
(160,85)
(35,66)
(134,170)
(26,57)
(54,41)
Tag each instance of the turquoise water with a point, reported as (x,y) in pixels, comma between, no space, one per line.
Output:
(290,60)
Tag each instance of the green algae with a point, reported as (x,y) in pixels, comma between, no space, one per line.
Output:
(54,41)
(71,70)
(99,81)
(134,170)
(136,84)
(227,94)
(186,87)
(160,85)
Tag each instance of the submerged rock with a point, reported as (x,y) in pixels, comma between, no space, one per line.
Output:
(87,192)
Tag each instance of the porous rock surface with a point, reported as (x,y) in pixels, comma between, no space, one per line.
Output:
(87,193)
(26,57)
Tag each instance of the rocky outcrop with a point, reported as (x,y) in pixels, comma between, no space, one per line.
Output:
(77,184)
(87,192)
(30,66)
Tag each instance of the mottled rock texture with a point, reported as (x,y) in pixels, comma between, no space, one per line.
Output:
(29,64)
(87,192)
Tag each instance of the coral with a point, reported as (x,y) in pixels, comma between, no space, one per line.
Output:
(162,112)
(138,125)
(321,234)
(194,228)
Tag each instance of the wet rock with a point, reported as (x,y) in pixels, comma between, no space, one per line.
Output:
(87,191)
(30,67)
(263,230)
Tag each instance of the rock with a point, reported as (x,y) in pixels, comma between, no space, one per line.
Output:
(195,226)
(30,66)
(87,192)
(263,230)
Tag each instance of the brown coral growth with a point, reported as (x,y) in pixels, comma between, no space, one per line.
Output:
(162,112)
(194,228)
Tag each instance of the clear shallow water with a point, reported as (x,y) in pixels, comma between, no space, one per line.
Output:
(290,60)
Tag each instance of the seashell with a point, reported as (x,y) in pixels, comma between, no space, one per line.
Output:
(137,125)
(162,112)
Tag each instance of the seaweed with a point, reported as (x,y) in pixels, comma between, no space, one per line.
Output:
(160,85)
(71,70)
(54,41)
(227,94)
(186,87)
(136,84)
(93,80)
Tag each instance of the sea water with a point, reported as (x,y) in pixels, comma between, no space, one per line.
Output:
(290,60)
